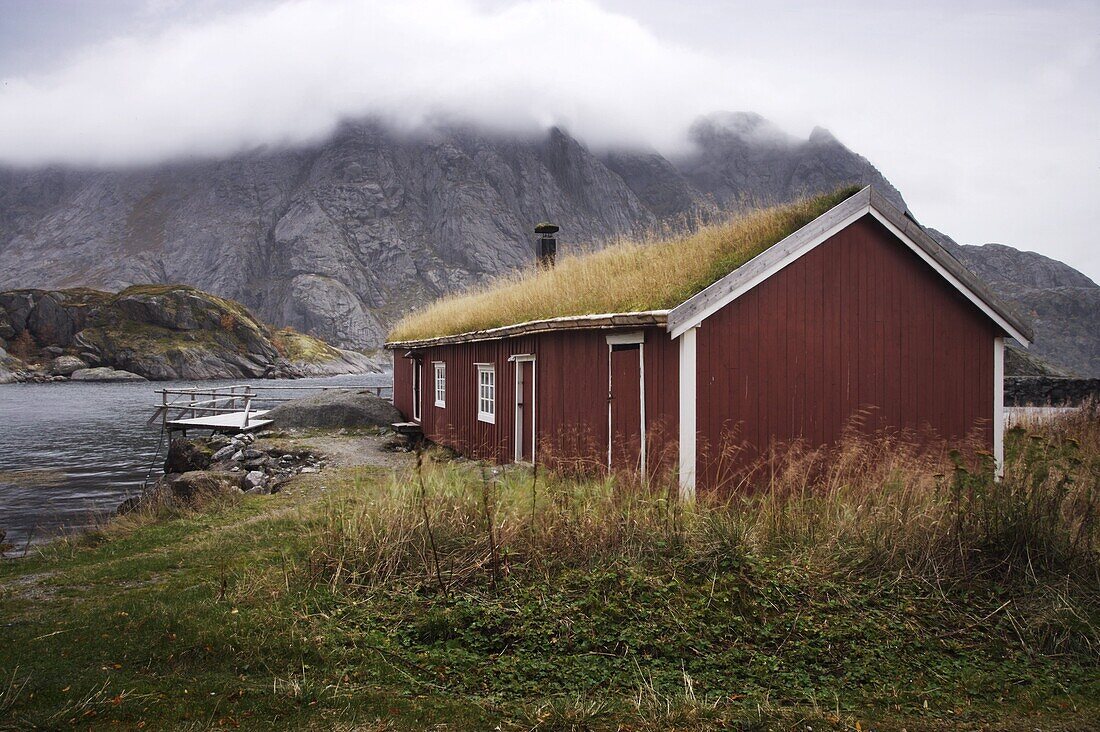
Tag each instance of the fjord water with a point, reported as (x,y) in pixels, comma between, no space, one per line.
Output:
(70,452)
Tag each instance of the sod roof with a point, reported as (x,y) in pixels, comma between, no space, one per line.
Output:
(626,277)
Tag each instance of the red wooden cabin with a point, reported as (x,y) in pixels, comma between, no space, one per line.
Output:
(859,312)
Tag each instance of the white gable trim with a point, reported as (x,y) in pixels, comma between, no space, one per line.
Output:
(780,264)
(678,327)
(966,291)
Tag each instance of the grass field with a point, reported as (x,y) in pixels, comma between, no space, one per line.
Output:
(891,591)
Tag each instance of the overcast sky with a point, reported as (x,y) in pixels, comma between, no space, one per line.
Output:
(986,115)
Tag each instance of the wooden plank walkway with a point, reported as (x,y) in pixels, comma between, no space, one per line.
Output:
(225,422)
(230,409)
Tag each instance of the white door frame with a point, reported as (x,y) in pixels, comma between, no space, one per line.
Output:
(625,339)
(517,432)
(417,388)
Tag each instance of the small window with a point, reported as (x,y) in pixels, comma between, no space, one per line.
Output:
(486,393)
(440,384)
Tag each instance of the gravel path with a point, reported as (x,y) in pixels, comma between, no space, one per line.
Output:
(350,451)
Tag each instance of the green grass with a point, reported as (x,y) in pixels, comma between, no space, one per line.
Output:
(180,624)
(627,276)
(555,603)
(300,348)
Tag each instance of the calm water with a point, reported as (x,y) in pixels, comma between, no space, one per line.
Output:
(70,452)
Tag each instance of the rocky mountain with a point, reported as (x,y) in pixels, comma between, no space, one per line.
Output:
(342,238)
(155,332)
(1061,302)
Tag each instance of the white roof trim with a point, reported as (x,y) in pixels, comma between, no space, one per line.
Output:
(970,294)
(597,320)
(699,307)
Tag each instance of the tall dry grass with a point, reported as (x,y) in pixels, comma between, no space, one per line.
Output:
(876,509)
(878,505)
(628,276)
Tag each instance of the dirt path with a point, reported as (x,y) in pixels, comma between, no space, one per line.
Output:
(349,451)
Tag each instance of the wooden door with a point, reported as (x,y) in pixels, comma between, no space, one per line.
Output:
(525,411)
(625,409)
(417,383)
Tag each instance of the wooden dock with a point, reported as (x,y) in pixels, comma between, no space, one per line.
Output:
(232,409)
(227,422)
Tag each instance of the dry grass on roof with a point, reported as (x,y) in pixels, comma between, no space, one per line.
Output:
(627,276)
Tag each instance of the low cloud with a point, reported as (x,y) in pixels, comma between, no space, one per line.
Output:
(983,114)
(289,73)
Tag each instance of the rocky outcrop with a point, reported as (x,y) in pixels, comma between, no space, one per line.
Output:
(1019,362)
(743,161)
(1060,302)
(159,332)
(335,409)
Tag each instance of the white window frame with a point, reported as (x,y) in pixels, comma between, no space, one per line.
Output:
(439,383)
(489,416)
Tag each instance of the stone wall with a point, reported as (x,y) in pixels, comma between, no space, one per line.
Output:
(1049,391)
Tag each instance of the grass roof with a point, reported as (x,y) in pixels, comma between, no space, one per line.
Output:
(627,276)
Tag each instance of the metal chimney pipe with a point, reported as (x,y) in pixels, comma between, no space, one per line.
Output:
(546,248)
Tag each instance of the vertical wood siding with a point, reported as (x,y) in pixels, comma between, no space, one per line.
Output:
(571,379)
(860,328)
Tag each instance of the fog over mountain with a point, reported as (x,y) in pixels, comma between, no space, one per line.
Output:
(341,238)
(983,113)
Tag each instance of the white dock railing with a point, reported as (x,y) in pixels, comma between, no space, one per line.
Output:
(237,402)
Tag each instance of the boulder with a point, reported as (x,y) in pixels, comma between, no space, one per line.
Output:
(104,373)
(224,453)
(11,368)
(255,479)
(198,486)
(187,455)
(334,409)
(66,365)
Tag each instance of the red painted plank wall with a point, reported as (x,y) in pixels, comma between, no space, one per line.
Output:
(859,327)
(662,393)
(571,369)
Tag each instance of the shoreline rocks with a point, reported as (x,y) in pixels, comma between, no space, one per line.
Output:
(67,366)
(104,373)
(197,470)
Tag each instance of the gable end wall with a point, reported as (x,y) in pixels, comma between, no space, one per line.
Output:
(857,331)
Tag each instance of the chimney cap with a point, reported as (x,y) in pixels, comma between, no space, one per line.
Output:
(546,227)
